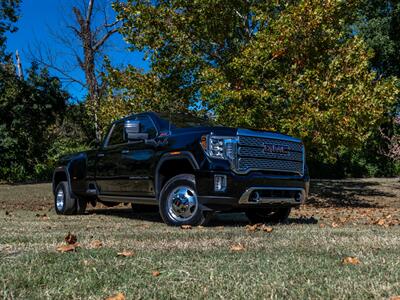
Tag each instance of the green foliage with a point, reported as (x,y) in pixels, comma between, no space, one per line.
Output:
(27,109)
(9,10)
(291,66)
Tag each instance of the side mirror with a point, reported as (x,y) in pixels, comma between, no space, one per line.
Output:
(132,131)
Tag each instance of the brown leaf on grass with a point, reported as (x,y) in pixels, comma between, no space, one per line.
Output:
(395,298)
(67,248)
(96,244)
(266,228)
(155,273)
(350,260)
(186,226)
(70,238)
(380,222)
(334,225)
(125,253)
(237,247)
(322,225)
(118,296)
(251,228)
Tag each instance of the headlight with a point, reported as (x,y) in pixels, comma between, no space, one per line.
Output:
(219,147)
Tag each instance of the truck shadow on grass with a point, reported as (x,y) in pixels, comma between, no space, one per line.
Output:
(219,219)
(352,193)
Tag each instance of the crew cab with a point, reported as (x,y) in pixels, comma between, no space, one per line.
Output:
(188,168)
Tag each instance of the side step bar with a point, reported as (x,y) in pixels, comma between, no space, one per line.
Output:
(138,200)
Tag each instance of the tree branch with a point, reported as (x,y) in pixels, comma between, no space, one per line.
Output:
(104,39)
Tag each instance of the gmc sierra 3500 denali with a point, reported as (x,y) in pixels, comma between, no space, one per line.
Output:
(187,167)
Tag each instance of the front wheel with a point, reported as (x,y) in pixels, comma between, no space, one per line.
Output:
(179,203)
(65,204)
(279,215)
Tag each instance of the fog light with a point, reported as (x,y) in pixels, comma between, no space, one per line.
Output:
(220,183)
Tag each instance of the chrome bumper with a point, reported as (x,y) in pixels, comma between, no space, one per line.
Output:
(251,196)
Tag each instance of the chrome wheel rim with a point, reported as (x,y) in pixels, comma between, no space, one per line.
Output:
(182,204)
(60,199)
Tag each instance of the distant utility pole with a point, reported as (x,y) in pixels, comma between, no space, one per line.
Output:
(19,65)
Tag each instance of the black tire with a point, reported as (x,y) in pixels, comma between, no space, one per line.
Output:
(187,181)
(279,215)
(66,204)
(142,208)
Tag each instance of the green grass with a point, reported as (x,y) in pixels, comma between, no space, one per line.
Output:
(295,261)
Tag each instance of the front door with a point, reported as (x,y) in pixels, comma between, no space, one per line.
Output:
(109,164)
(137,161)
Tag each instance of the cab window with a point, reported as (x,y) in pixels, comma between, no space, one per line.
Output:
(117,135)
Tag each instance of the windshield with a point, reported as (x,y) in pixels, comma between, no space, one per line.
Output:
(182,120)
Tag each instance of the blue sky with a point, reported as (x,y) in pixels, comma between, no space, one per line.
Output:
(40,19)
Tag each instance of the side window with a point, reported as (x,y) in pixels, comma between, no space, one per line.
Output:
(147,126)
(117,135)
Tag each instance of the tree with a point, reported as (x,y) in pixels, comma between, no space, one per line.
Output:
(291,66)
(27,109)
(9,10)
(91,27)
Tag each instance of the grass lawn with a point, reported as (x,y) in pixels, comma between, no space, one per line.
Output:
(301,259)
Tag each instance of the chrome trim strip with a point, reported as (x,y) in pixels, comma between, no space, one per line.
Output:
(138,200)
(269,135)
(244,199)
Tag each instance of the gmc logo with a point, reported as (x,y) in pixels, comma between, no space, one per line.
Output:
(274,148)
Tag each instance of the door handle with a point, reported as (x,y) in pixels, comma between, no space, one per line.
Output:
(125,151)
(100,154)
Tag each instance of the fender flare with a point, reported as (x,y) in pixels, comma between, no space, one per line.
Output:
(172,156)
(62,169)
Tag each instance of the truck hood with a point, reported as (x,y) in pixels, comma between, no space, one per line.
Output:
(230,131)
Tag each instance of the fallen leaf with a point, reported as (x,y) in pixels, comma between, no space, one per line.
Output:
(334,225)
(350,260)
(70,238)
(380,222)
(251,228)
(118,296)
(395,298)
(155,273)
(268,229)
(96,244)
(67,248)
(186,226)
(125,253)
(322,225)
(237,247)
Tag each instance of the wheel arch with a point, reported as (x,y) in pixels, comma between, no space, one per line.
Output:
(61,174)
(163,172)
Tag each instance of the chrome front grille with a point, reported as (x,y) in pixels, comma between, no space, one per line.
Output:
(251,154)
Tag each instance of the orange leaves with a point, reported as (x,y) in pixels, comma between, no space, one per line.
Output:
(259,227)
(237,247)
(350,260)
(71,245)
(186,227)
(70,238)
(95,244)
(156,273)
(67,248)
(125,253)
(118,296)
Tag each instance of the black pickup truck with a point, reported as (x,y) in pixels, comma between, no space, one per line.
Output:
(188,168)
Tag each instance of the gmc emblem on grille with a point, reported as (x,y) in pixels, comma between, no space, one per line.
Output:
(274,148)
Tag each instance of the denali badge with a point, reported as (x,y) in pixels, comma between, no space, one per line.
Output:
(274,148)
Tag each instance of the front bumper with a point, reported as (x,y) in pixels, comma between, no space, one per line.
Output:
(250,190)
